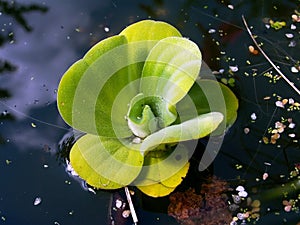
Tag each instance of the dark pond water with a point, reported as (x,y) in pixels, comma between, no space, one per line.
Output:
(39,40)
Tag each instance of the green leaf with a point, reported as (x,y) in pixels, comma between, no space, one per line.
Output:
(105,163)
(94,92)
(156,190)
(196,128)
(163,171)
(167,186)
(149,114)
(171,68)
(142,36)
(88,90)
(149,30)
(209,95)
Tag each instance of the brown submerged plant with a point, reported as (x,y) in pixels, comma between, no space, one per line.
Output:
(207,208)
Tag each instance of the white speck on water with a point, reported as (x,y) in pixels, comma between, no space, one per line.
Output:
(292,125)
(221,70)
(241,216)
(234,68)
(240,188)
(294,70)
(91,190)
(211,31)
(5,113)
(230,7)
(279,104)
(289,35)
(292,135)
(291,101)
(253,116)
(106,29)
(293,27)
(37,201)
(118,203)
(46,166)
(265,176)
(243,194)
(292,44)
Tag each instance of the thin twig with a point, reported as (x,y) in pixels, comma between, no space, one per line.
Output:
(270,61)
(131,207)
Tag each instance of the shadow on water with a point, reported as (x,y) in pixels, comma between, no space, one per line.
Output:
(30,163)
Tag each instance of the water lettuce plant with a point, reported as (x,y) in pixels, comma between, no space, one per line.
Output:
(138,99)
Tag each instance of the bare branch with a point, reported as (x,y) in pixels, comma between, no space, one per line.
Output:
(132,210)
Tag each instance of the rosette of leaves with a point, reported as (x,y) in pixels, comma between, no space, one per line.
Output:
(136,98)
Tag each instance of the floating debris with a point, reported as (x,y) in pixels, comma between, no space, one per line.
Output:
(289,35)
(241,191)
(126,213)
(295,18)
(277,24)
(119,203)
(211,31)
(253,50)
(265,176)
(293,27)
(234,68)
(289,205)
(292,44)
(106,29)
(294,69)
(231,7)
(209,207)
(246,130)
(279,104)
(236,199)
(253,116)
(267,163)
(37,201)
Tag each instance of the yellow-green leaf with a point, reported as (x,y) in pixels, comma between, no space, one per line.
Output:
(196,128)
(171,68)
(105,163)
(164,187)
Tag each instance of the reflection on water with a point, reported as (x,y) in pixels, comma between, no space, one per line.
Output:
(32,63)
